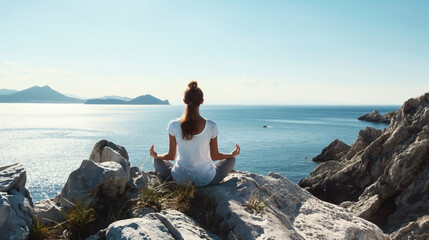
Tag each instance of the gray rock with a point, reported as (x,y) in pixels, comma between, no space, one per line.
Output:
(15,216)
(375,116)
(413,230)
(138,179)
(365,137)
(48,212)
(387,181)
(15,203)
(103,177)
(148,227)
(92,180)
(13,177)
(183,226)
(289,212)
(110,154)
(168,224)
(334,151)
(97,151)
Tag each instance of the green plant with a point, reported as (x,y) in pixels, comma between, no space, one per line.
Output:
(38,231)
(256,203)
(179,196)
(150,196)
(78,217)
(204,211)
(116,209)
(167,195)
(211,218)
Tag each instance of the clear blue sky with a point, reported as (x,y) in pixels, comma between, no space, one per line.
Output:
(241,52)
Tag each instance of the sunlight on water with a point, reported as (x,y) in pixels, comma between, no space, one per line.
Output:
(51,140)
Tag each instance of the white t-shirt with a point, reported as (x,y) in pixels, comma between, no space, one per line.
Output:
(194,164)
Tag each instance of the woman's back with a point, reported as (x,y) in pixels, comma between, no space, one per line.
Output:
(195,138)
(194,163)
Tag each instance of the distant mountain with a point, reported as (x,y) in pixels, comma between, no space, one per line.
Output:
(105,101)
(141,100)
(148,99)
(38,95)
(7,91)
(116,97)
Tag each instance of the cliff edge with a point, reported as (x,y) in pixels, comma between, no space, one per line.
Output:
(384,177)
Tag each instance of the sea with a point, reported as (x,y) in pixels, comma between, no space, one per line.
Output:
(51,140)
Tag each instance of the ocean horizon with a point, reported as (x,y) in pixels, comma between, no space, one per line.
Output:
(51,140)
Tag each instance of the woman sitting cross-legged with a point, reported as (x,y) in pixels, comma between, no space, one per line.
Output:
(195,138)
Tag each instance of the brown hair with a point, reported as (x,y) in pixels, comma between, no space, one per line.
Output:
(193,97)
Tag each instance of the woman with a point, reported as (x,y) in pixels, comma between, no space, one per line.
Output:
(196,138)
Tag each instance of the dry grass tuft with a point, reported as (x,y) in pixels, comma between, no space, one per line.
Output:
(38,231)
(167,195)
(256,203)
(78,217)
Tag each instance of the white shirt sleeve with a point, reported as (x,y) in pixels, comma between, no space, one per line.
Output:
(172,128)
(214,131)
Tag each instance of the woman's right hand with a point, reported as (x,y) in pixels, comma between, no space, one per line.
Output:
(152,152)
(236,152)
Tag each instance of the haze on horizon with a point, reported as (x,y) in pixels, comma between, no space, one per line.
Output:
(240,52)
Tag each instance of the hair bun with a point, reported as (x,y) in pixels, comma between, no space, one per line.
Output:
(193,85)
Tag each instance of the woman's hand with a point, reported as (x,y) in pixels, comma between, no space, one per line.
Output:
(152,152)
(236,152)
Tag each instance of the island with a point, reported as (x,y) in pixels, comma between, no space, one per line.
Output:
(37,94)
(144,99)
(46,94)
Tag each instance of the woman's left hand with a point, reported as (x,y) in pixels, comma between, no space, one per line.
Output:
(236,152)
(152,152)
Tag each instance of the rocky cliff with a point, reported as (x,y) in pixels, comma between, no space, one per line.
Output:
(244,206)
(384,177)
(375,116)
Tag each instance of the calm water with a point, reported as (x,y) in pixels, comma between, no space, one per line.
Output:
(51,140)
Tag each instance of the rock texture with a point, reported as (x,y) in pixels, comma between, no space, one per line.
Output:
(375,116)
(48,211)
(387,181)
(15,203)
(335,150)
(168,224)
(104,176)
(289,212)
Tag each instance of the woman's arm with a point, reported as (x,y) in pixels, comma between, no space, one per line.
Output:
(216,155)
(172,147)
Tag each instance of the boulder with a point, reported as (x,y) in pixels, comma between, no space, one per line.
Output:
(375,116)
(105,151)
(287,212)
(169,224)
(387,181)
(15,203)
(138,179)
(13,177)
(334,151)
(48,212)
(104,176)
(93,181)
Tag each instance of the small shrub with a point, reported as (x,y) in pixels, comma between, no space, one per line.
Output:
(204,211)
(167,195)
(256,203)
(38,231)
(150,196)
(211,218)
(78,217)
(179,197)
